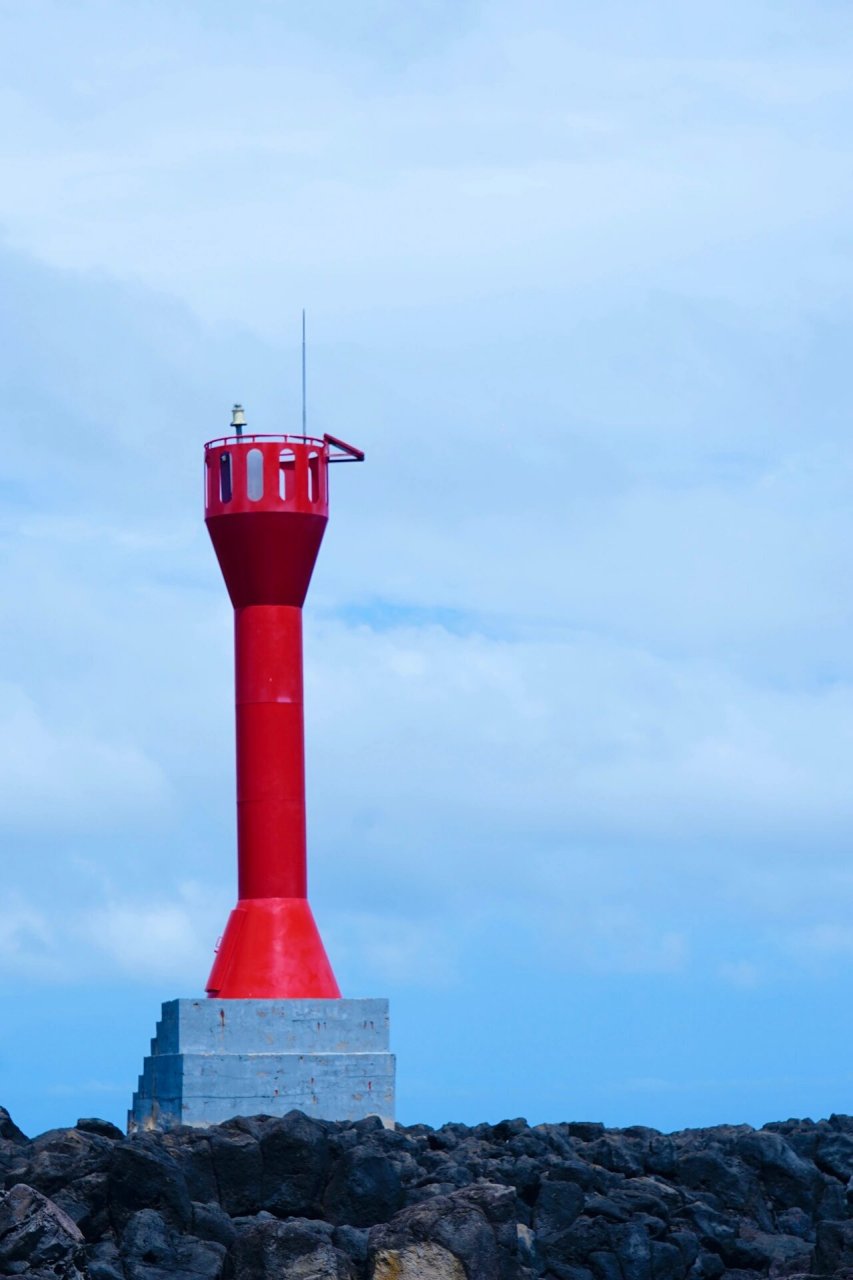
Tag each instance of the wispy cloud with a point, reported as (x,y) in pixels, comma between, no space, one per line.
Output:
(168,940)
(58,777)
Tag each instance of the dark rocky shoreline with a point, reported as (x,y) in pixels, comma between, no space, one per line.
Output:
(299,1199)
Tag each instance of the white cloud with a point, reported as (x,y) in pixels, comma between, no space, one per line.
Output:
(90,933)
(743,974)
(58,778)
(393,949)
(506,155)
(28,941)
(170,939)
(568,737)
(823,941)
(633,664)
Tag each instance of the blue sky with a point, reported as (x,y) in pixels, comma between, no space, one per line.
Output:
(579,644)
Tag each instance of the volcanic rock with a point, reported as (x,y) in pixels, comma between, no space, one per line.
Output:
(292,1198)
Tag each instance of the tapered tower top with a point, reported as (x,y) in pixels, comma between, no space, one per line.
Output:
(266,503)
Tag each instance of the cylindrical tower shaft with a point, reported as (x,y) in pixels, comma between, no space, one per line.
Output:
(270,752)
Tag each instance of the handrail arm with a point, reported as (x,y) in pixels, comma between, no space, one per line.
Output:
(355,455)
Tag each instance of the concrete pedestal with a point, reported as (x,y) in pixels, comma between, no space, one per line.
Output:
(214,1059)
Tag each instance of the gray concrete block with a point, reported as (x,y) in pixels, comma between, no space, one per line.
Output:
(273,1026)
(214,1059)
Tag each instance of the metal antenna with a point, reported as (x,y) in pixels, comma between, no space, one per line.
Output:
(304,412)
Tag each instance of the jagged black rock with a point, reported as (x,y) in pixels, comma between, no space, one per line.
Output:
(272,1199)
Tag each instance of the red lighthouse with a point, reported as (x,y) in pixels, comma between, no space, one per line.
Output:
(266,508)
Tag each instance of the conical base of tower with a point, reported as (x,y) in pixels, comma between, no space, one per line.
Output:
(271,950)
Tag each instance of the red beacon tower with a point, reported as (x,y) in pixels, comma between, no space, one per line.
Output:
(266,509)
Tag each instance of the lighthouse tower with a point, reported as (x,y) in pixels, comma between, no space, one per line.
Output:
(266,509)
(274,1032)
